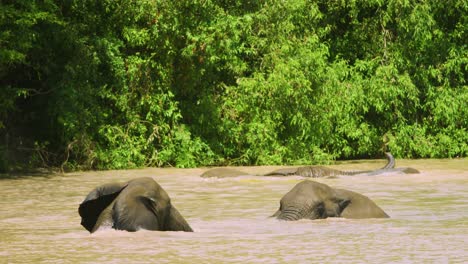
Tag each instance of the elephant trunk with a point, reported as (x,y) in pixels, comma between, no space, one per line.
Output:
(289,214)
(391,161)
(390,165)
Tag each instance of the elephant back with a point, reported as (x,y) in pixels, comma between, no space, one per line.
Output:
(222,173)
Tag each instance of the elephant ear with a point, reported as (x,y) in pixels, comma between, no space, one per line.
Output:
(171,221)
(96,201)
(342,200)
(343,203)
(176,222)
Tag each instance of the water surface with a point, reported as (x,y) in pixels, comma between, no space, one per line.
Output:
(39,222)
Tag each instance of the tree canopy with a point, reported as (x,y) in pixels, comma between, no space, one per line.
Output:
(115,84)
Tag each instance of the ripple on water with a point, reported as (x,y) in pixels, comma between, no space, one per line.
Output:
(39,220)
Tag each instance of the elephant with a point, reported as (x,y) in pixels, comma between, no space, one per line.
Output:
(140,203)
(321,171)
(222,173)
(314,171)
(314,200)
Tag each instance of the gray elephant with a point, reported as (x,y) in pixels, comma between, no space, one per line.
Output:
(321,171)
(313,200)
(222,173)
(315,171)
(137,204)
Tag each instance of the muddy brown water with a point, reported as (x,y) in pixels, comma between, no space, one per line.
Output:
(39,222)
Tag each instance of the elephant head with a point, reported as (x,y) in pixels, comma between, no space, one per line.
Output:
(138,204)
(313,200)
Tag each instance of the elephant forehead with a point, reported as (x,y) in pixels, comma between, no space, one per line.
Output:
(311,190)
(144,181)
(312,186)
(146,187)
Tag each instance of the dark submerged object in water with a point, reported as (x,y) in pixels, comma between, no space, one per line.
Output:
(314,171)
(321,171)
(222,173)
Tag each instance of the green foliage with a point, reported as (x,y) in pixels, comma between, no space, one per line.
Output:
(123,84)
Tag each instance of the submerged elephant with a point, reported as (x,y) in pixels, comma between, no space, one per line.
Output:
(313,200)
(314,171)
(222,173)
(321,171)
(137,204)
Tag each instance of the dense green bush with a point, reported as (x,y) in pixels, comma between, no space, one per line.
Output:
(122,84)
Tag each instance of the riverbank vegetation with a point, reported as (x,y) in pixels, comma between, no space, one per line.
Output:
(115,84)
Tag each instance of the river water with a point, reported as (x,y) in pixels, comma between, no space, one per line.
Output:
(39,222)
